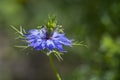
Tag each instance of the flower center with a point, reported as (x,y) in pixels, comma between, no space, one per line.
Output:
(48,36)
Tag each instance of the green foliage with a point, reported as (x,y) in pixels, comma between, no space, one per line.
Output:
(21,32)
(96,22)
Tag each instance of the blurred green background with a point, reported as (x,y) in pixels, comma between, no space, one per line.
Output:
(96,22)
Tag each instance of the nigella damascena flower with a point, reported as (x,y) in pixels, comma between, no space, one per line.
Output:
(41,39)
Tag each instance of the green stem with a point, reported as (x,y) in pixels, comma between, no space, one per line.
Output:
(54,68)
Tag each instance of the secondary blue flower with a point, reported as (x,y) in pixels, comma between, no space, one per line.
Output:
(42,39)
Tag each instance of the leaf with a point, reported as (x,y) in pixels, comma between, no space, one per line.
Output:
(22,47)
(79,44)
(18,31)
(48,53)
(39,27)
(58,55)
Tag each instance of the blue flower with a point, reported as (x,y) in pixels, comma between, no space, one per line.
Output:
(42,39)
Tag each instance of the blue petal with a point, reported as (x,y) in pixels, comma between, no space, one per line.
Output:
(43,44)
(62,39)
(38,48)
(36,44)
(65,41)
(50,44)
(56,34)
(33,31)
(39,45)
(59,46)
(38,33)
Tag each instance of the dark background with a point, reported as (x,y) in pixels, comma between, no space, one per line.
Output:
(96,22)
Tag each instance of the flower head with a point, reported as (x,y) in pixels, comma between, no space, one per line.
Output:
(41,39)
